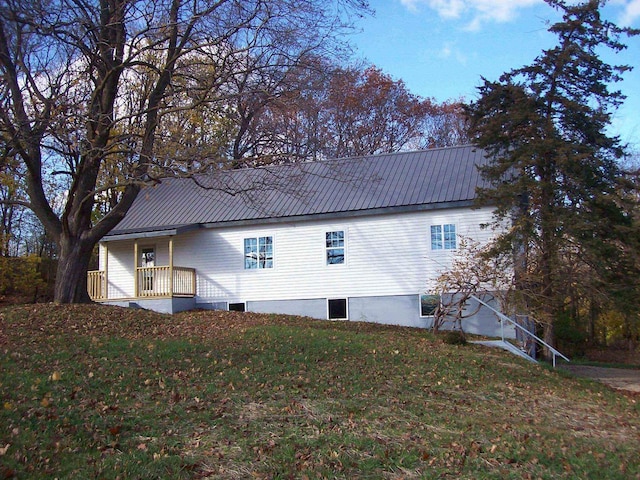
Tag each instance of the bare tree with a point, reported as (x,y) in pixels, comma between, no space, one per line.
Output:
(327,111)
(372,113)
(472,272)
(86,83)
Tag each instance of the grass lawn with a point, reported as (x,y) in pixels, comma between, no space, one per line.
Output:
(102,392)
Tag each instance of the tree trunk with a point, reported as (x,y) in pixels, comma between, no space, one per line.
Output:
(593,316)
(549,336)
(71,274)
(550,316)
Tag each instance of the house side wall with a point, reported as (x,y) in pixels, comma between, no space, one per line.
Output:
(388,260)
(102,255)
(120,270)
(385,255)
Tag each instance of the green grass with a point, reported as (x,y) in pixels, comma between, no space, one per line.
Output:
(100,392)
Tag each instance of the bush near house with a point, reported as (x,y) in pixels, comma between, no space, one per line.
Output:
(25,277)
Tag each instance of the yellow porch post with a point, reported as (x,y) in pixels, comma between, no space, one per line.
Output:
(106,270)
(135,269)
(171,266)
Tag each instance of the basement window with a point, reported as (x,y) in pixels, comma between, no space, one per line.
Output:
(337,308)
(428,305)
(237,307)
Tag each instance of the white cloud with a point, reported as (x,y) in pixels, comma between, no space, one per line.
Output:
(451,51)
(412,5)
(448,8)
(631,13)
(480,11)
(487,11)
(445,52)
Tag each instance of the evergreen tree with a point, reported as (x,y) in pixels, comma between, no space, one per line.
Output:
(555,169)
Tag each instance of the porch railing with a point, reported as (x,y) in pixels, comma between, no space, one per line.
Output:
(150,282)
(158,281)
(97,284)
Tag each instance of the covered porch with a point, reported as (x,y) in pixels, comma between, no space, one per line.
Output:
(150,281)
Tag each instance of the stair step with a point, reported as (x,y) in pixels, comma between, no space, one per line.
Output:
(505,346)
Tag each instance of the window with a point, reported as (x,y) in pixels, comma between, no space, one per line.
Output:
(337,309)
(443,237)
(258,253)
(148,257)
(335,247)
(428,305)
(236,307)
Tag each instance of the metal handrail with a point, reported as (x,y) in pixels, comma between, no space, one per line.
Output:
(502,316)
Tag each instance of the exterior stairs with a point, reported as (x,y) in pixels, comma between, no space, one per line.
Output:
(529,338)
(505,345)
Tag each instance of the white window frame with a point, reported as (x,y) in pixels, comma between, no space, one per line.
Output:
(144,250)
(346,308)
(343,247)
(148,277)
(244,304)
(443,237)
(257,240)
(420,303)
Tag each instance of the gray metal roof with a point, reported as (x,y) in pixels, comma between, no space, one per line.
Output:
(405,181)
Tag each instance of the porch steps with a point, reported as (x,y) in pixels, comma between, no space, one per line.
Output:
(528,335)
(505,346)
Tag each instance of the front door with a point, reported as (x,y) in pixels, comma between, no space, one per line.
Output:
(148,261)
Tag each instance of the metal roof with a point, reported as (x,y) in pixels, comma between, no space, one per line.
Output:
(428,179)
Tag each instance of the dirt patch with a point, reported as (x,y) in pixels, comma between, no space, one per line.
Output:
(618,378)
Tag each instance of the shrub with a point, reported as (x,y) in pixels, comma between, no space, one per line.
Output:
(21,276)
(454,337)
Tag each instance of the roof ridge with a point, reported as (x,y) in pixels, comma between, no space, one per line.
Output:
(322,161)
(400,152)
(438,176)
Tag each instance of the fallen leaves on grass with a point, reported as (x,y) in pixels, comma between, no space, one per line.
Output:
(213,395)
(22,325)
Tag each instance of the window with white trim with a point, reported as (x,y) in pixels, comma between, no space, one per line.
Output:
(258,253)
(337,308)
(443,237)
(148,261)
(428,304)
(334,244)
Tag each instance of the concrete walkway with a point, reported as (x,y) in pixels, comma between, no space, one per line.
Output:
(618,378)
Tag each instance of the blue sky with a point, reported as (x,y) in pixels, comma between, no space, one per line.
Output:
(442,48)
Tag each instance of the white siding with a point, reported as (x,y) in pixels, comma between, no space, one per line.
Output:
(384,255)
(120,273)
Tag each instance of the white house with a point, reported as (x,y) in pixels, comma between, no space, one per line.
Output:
(353,239)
